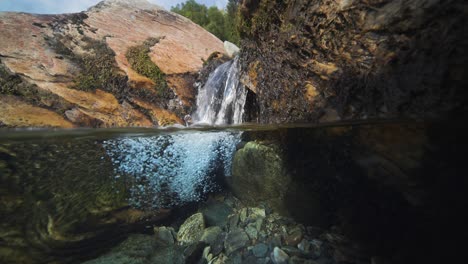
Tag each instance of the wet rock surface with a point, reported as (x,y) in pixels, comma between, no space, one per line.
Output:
(325,61)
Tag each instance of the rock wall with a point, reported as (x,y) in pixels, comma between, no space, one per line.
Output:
(327,60)
(121,63)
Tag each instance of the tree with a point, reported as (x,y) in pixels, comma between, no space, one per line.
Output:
(193,11)
(231,21)
(216,23)
(221,23)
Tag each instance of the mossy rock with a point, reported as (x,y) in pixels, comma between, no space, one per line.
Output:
(140,61)
(259,174)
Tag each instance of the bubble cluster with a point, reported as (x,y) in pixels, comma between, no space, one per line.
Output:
(170,170)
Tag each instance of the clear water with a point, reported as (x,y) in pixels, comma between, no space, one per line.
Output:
(67,196)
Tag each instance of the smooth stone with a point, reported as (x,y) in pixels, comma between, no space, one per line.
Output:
(243,214)
(294,237)
(192,229)
(218,246)
(235,240)
(231,49)
(233,221)
(257,213)
(279,256)
(216,213)
(210,234)
(292,251)
(259,224)
(194,252)
(260,250)
(165,234)
(304,246)
(251,231)
(206,254)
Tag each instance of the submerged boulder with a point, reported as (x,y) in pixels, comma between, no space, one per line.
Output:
(258,174)
(192,229)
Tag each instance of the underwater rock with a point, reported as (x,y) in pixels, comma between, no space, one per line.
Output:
(235,240)
(210,234)
(258,174)
(165,234)
(279,256)
(260,250)
(141,249)
(192,229)
(216,213)
(294,237)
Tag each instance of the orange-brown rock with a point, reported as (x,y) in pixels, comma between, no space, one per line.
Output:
(57,54)
(14,112)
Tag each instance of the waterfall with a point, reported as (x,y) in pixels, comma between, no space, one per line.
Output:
(174,169)
(221,100)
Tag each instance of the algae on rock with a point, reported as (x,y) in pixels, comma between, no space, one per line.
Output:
(259,174)
(140,61)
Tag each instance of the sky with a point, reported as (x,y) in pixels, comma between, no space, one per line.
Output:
(71,6)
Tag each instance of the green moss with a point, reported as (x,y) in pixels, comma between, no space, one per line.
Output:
(99,69)
(8,82)
(140,61)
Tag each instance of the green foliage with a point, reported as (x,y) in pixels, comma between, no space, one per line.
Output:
(221,23)
(140,61)
(194,11)
(216,23)
(232,21)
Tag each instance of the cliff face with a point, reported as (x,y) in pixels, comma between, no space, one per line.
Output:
(121,63)
(354,59)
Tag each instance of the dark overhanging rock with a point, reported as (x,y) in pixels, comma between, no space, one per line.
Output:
(362,59)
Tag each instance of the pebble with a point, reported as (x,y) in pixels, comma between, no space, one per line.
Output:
(192,229)
(235,240)
(251,231)
(279,256)
(210,234)
(233,221)
(165,234)
(294,237)
(260,250)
